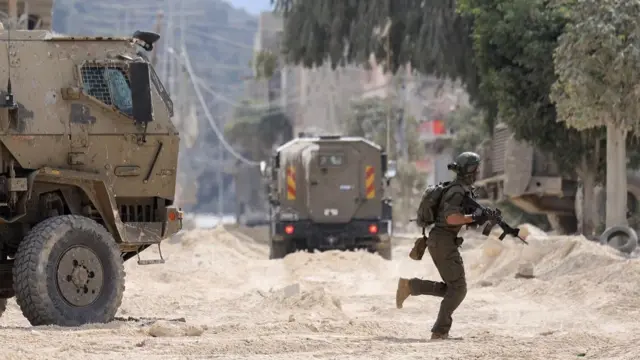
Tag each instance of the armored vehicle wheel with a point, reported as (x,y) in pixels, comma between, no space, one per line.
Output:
(68,272)
(279,249)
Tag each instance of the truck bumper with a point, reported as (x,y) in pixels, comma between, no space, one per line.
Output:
(354,234)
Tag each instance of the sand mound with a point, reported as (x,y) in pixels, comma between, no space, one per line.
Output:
(334,260)
(315,302)
(564,267)
(551,257)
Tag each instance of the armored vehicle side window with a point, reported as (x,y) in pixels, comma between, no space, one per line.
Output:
(330,159)
(110,85)
(120,90)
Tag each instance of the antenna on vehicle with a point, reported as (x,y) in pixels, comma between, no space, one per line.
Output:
(9,102)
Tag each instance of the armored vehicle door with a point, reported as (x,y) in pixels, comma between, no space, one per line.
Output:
(334,184)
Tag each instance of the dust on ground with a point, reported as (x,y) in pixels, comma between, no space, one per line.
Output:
(219,297)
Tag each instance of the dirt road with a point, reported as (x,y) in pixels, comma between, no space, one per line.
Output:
(584,303)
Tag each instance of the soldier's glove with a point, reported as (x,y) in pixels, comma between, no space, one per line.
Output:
(419,248)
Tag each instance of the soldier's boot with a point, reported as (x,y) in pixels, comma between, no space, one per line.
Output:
(403,292)
(439,336)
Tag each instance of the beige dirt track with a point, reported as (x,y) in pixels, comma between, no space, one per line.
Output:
(237,304)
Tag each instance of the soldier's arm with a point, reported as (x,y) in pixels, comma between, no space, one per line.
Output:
(452,208)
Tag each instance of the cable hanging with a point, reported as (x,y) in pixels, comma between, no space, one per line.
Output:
(230,149)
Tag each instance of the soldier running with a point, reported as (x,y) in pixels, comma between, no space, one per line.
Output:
(443,243)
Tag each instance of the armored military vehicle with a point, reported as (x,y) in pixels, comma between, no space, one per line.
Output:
(530,179)
(88,158)
(328,192)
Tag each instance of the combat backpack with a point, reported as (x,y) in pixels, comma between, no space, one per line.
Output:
(428,208)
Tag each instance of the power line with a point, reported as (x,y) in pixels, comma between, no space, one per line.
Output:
(203,104)
(269,107)
(220,38)
(208,115)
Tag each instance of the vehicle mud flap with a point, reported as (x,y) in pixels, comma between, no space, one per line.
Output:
(152,261)
(279,249)
(622,238)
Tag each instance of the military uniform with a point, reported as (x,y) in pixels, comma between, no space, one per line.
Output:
(443,245)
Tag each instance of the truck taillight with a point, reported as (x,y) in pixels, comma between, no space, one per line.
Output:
(288,229)
(373,229)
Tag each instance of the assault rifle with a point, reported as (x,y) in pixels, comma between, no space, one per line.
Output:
(494,217)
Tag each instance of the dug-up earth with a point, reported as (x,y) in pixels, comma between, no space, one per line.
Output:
(219,297)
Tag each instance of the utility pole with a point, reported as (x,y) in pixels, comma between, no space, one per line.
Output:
(332,104)
(220,179)
(158,29)
(386,33)
(405,113)
(164,74)
(13,13)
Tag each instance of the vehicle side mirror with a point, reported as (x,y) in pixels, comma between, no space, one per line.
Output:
(141,92)
(391,170)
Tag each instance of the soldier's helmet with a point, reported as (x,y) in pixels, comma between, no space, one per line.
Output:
(466,166)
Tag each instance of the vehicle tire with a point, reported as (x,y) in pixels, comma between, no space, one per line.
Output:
(620,231)
(279,249)
(3,306)
(384,249)
(385,252)
(68,272)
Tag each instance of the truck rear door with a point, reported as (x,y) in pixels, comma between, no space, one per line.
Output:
(335,185)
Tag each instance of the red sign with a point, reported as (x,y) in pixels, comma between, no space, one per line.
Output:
(433,127)
(438,127)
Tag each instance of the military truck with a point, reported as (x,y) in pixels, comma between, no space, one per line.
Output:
(88,158)
(329,192)
(530,179)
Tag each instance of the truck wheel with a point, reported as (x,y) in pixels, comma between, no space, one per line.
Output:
(279,249)
(385,252)
(623,238)
(3,306)
(384,249)
(68,272)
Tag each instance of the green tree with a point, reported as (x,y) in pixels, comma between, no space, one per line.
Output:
(265,63)
(428,35)
(514,42)
(598,65)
